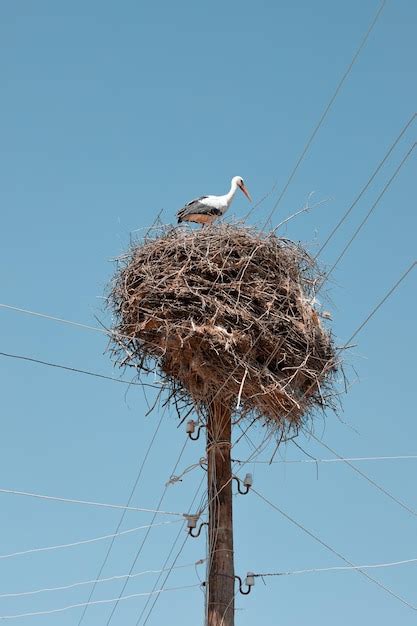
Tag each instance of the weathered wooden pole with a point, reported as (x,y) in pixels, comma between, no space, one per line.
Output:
(220,565)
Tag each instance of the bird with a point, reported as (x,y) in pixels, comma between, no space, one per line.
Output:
(206,209)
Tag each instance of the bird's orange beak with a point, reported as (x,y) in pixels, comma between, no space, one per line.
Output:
(246,192)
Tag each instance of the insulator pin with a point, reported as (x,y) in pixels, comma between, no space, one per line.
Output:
(248,481)
(192,521)
(190,427)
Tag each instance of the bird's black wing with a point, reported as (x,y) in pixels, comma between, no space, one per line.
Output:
(196,206)
(195,200)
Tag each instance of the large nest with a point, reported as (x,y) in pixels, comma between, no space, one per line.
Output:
(226,313)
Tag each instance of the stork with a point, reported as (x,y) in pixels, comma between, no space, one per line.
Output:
(206,209)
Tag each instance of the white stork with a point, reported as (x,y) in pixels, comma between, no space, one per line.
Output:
(206,209)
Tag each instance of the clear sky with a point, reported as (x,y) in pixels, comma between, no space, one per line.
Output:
(112,111)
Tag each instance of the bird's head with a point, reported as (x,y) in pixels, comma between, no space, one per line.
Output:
(238,181)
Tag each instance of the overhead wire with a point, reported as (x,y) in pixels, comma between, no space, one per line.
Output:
(94,602)
(166,578)
(83,583)
(339,568)
(366,186)
(335,552)
(98,329)
(371,481)
(400,457)
(108,332)
(120,522)
(141,546)
(368,214)
(380,303)
(87,502)
(62,320)
(327,108)
(165,564)
(77,370)
(83,542)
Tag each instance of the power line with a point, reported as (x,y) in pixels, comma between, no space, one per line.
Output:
(333,551)
(346,568)
(402,457)
(103,330)
(95,602)
(166,578)
(90,582)
(83,541)
(366,186)
(380,303)
(76,370)
(62,320)
(365,219)
(366,477)
(87,502)
(166,561)
(139,551)
(135,484)
(327,109)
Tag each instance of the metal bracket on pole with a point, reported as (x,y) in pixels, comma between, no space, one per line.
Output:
(247,482)
(249,582)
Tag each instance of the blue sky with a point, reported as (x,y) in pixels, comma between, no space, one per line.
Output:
(112,112)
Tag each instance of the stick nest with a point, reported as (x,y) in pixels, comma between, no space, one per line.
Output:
(226,313)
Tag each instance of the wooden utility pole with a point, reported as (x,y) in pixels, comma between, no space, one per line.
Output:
(220,580)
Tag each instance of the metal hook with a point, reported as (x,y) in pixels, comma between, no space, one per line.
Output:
(249,581)
(247,481)
(197,534)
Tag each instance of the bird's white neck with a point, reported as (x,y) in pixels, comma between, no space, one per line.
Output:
(230,195)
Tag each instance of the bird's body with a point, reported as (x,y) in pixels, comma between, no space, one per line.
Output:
(206,209)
